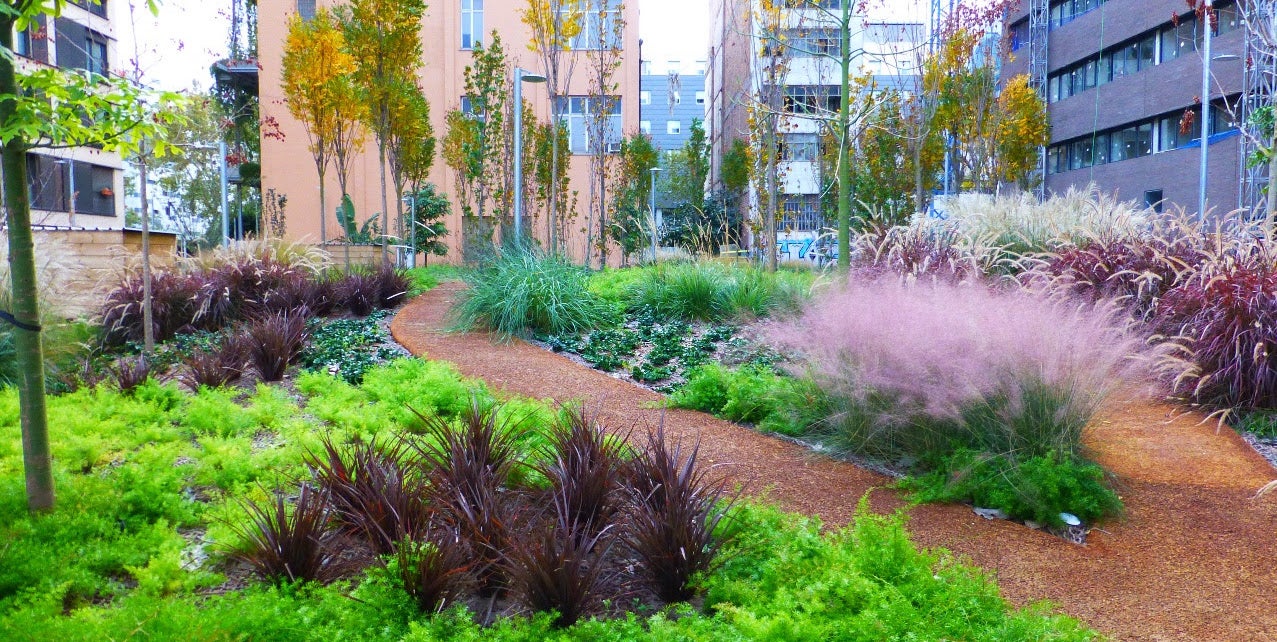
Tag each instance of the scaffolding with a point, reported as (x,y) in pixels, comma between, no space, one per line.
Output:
(1039,32)
(1257,91)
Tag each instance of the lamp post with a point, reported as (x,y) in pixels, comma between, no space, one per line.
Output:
(653,190)
(411,201)
(1201,176)
(520,77)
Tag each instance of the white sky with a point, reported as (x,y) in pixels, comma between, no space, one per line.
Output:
(177,48)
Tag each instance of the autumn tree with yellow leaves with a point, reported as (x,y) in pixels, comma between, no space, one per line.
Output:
(316,83)
(554,25)
(384,39)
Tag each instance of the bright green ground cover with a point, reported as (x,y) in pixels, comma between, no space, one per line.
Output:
(142,478)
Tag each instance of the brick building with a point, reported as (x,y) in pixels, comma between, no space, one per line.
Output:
(1123,85)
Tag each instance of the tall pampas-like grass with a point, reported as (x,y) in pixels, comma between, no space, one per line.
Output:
(925,367)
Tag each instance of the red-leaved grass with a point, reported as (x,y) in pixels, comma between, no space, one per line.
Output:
(924,365)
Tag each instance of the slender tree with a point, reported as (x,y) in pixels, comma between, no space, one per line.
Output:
(52,108)
(605,28)
(383,36)
(314,69)
(411,146)
(554,25)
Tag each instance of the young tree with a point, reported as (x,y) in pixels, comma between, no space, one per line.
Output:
(314,69)
(768,21)
(428,229)
(554,25)
(689,168)
(53,108)
(605,28)
(383,36)
(411,146)
(629,227)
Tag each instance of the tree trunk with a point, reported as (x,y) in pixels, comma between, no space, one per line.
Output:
(919,200)
(844,135)
(323,213)
(385,205)
(770,218)
(148,303)
(36,461)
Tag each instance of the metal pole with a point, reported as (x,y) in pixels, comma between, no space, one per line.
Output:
(71,214)
(653,190)
(518,153)
(412,230)
(226,208)
(1201,177)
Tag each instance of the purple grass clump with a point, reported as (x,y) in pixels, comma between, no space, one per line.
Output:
(923,368)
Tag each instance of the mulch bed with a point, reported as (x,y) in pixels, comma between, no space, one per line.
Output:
(1194,558)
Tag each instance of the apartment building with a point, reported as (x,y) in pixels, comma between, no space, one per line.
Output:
(449,32)
(811,85)
(670,101)
(78,187)
(1124,85)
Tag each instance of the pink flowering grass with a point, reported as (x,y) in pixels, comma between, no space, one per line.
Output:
(923,369)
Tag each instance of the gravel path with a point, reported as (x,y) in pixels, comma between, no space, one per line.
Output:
(1195,557)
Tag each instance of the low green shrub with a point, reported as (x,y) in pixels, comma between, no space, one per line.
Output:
(1038,488)
(752,394)
(523,290)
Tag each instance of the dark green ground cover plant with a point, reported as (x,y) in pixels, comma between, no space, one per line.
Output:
(152,479)
(347,347)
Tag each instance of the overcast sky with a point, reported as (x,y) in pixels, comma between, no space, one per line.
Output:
(177,48)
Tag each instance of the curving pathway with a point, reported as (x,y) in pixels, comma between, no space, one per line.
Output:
(1195,557)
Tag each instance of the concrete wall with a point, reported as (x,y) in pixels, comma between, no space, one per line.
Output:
(289,168)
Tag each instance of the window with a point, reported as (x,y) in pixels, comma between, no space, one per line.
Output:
(809,99)
(1220,120)
(675,98)
(645,97)
(645,126)
(1168,132)
(1019,35)
(90,183)
(95,46)
(798,147)
(306,9)
(700,98)
(673,127)
(806,43)
(48,181)
(96,7)
(1056,159)
(1153,199)
(1178,40)
(22,43)
(579,112)
(471,23)
(800,213)
(601,25)
(1132,142)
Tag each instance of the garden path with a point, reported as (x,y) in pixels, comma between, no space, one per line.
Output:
(1194,558)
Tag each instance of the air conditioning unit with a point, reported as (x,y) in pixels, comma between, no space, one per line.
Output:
(614,148)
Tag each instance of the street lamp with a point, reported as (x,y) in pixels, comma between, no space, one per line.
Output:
(1206,60)
(654,171)
(520,77)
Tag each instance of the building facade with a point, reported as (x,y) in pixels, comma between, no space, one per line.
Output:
(1123,86)
(669,102)
(449,32)
(809,91)
(78,187)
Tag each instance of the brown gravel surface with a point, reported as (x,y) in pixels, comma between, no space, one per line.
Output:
(1195,557)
